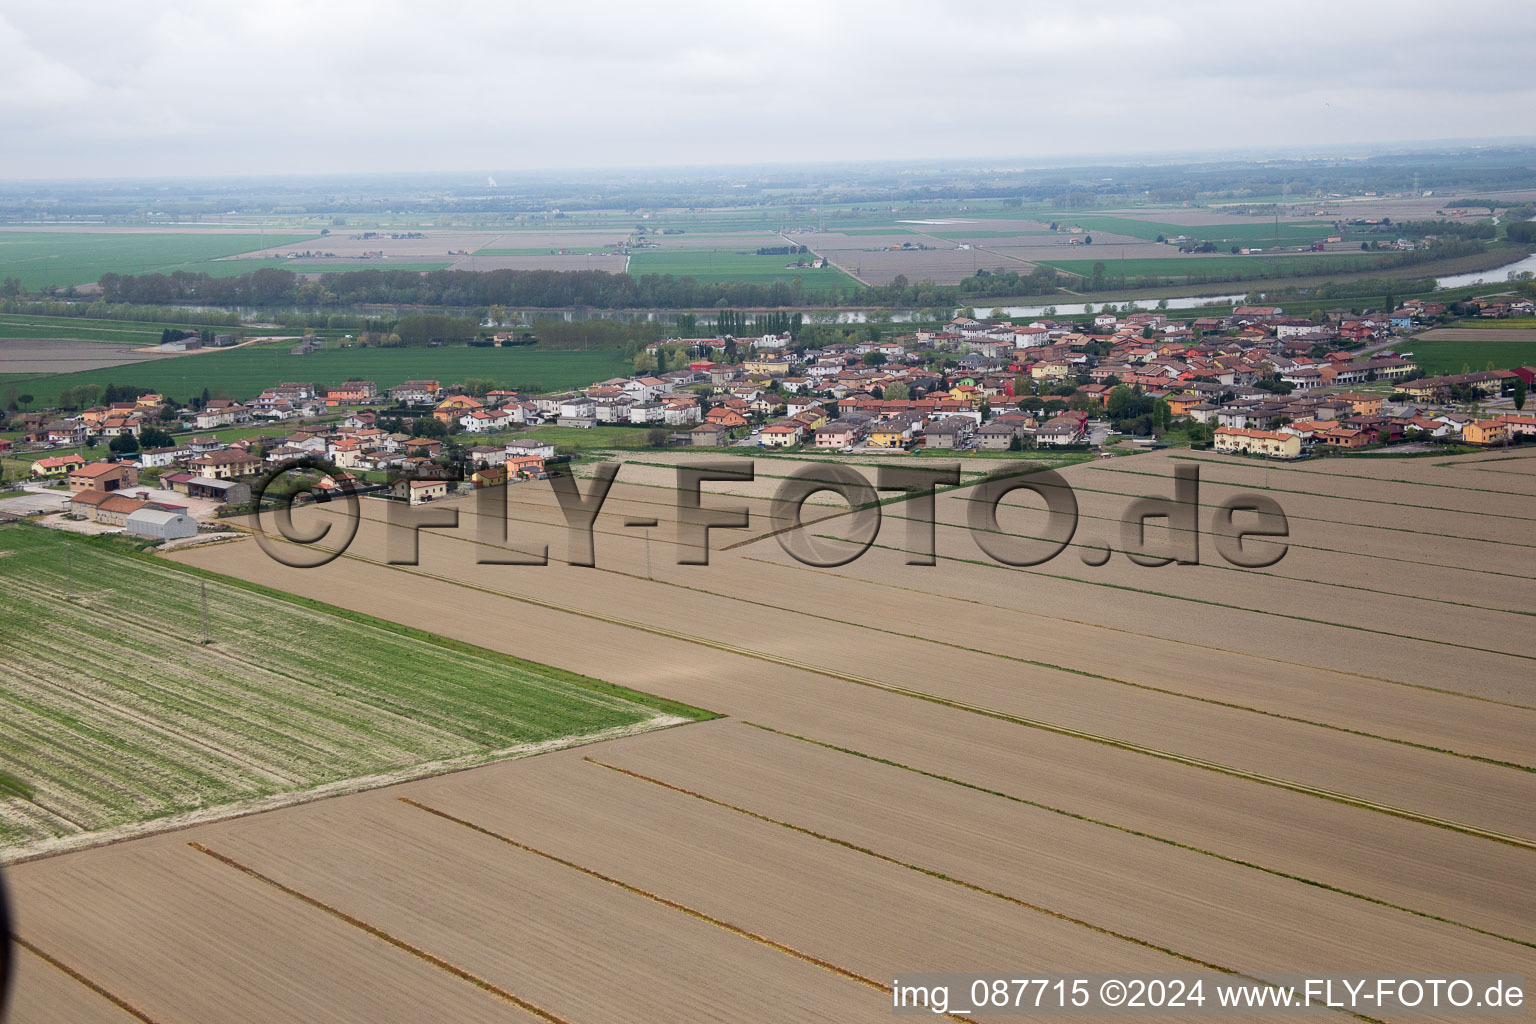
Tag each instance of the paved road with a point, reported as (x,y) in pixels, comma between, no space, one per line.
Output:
(33,502)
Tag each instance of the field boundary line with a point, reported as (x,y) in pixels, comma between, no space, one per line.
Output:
(1153,636)
(1208,602)
(1127,830)
(1148,687)
(1191,761)
(383,936)
(52,961)
(1054,618)
(682,908)
(941,876)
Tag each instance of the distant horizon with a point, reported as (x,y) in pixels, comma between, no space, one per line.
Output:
(991,164)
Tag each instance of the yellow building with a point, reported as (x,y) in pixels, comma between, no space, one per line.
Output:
(1485,432)
(772,366)
(1363,404)
(450,409)
(1258,442)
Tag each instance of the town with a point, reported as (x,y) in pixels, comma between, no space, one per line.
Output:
(1255,382)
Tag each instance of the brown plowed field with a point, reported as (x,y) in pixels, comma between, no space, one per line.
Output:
(1323,765)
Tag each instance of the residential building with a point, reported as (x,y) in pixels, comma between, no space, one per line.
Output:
(1274,444)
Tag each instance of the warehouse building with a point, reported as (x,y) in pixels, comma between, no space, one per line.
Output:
(161,525)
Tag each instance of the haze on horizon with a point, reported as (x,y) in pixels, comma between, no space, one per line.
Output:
(91,89)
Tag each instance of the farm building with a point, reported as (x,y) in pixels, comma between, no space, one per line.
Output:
(160,525)
(231,492)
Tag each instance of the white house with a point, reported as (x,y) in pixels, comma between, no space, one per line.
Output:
(481,421)
(526,446)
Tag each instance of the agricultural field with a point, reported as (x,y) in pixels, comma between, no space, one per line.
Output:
(117,712)
(21,358)
(115,332)
(1247,231)
(1453,350)
(41,258)
(243,372)
(1104,764)
(1190,265)
(713,265)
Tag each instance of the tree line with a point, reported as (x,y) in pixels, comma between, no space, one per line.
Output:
(592,289)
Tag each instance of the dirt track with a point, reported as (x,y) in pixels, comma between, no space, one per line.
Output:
(1307,767)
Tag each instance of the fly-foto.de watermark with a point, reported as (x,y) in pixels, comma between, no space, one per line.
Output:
(1248,531)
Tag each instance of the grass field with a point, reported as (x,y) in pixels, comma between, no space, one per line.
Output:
(1291,232)
(1194,266)
(1441,357)
(713,265)
(115,711)
(242,373)
(577,439)
(121,332)
(41,258)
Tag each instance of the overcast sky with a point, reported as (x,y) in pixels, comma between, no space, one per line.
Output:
(103,88)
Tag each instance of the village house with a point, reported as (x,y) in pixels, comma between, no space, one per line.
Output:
(419,492)
(450,409)
(1486,432)
(1061,430)
(709,435)
(56,466)
(530,447)
(416,392)
(948,432)
(158,458)
(1274,444)
(836,434)
(725,418)
(779,435)
(225,465)
(482,421)
(353,392)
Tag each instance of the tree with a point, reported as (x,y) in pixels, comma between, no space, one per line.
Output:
(898,392)
(124,444)
(1519,393)
(656,437)
(874,358)
(154,437)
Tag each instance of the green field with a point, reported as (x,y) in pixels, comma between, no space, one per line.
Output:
(242,373)
(715,265)
(121,332)
(1442,357)
(1195,266)
(576,440)
(41,258)
(115,711)
(1258,231)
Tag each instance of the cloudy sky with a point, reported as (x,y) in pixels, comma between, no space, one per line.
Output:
(102,88)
